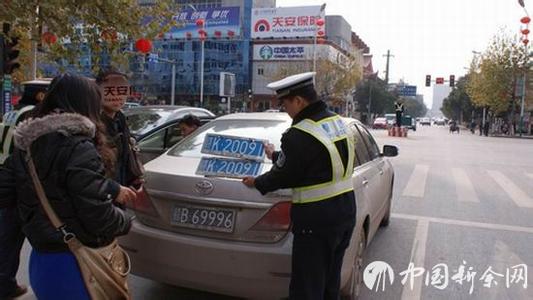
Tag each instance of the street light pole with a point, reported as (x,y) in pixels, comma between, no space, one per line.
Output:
(202,73)
(173,83)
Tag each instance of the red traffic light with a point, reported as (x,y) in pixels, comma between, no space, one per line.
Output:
(200,22)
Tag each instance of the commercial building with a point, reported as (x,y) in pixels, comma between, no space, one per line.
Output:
(288,40)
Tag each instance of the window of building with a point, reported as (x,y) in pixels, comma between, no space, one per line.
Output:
(260,71)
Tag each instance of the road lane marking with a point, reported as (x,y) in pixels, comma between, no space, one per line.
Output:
(465,223)
(418,257)
(463,185)
(519,197)
(417,182)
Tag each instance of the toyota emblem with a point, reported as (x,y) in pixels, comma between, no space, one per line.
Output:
(204,187)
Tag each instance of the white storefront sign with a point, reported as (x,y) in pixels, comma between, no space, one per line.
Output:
(268,52)
(289,22)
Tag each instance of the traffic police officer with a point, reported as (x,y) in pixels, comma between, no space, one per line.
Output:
(316,160)
(398,108)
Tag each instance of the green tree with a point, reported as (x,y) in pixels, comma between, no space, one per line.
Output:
(382,101)
(332,80)
(492,78)
(414,108)
(100,27)
(458,105)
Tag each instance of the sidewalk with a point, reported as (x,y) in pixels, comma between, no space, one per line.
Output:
(524,136)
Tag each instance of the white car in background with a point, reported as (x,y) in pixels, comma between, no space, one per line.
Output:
(216,234)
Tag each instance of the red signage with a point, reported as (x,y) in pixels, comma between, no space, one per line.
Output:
(439,80)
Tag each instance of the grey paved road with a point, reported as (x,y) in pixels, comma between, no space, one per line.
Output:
(459,199)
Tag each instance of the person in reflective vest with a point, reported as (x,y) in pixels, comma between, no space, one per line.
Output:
(316,161)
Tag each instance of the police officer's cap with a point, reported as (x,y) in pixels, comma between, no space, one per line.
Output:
(292,85)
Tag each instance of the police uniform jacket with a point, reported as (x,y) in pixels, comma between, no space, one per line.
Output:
(304,161)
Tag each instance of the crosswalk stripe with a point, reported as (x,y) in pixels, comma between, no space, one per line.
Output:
(417,182)
(464,187)
(517,195)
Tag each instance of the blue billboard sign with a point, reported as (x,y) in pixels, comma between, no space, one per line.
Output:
(220,22)
(408,91)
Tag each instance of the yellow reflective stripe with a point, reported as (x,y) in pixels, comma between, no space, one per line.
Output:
(318,132)
(301,195)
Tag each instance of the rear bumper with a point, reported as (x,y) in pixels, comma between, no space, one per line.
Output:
(227,267)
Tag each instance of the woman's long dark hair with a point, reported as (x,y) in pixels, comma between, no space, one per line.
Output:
(77,94)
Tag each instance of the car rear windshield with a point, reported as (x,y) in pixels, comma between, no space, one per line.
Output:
(270,130)
(140,122)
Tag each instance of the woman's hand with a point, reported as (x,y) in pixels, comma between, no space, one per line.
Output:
(125,195)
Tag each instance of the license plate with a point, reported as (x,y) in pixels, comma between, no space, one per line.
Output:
(228,167)
(213,219)
(232,146)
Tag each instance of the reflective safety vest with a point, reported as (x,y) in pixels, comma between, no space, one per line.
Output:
(7,129)
(328,131)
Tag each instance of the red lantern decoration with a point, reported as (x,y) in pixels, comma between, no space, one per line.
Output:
(525,20)
(200,22)
(320,22)
(525,31)
(231,33)
(109,35)
(525,41)
(143,45)
(49,38)
(218,34)
(320,33)
(321,40)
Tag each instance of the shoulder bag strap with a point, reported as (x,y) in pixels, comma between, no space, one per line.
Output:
(39,190)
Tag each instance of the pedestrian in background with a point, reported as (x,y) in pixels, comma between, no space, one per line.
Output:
(71,158)
(318,166)
(115,87)
(11,236)
(189,124)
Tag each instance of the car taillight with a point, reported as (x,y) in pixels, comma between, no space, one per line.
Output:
(278,218)
(142,203)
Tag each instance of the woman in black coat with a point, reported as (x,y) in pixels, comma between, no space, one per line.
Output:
(73,161)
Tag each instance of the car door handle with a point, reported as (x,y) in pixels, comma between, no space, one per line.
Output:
(380,172)
(365,182)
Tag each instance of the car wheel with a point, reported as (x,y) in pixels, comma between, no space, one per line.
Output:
(356,278)
(386,218)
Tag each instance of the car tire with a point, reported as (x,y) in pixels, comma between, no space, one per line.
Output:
(356,278)
(386,217)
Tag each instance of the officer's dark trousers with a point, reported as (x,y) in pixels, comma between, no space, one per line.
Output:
(317,261)
(11,240)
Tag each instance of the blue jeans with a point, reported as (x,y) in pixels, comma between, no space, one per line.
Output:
(11,240)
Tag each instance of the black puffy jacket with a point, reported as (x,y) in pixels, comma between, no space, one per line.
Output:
(73,176)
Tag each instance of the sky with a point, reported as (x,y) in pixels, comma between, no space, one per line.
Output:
(426,37)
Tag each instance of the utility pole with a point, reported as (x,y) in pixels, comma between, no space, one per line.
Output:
(388,55)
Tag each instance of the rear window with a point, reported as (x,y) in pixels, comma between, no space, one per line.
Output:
(270,130)
(141,122)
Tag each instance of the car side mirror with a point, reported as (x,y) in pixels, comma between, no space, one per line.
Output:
(390,151)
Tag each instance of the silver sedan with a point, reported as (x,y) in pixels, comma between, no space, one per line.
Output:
(213,233)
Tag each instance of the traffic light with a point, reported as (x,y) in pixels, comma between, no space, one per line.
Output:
(10,54)
(452,80)
(428,80)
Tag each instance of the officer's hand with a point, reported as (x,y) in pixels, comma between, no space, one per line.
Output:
(269,149)
(249,181)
